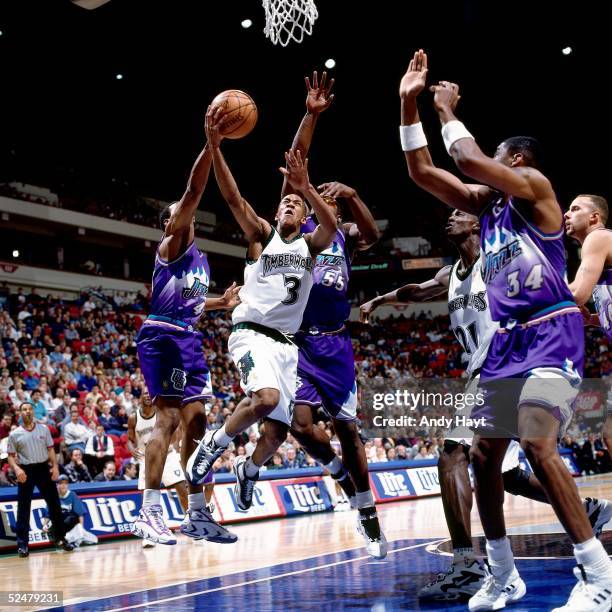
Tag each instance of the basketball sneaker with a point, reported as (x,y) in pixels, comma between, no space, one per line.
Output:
(150,525)
(462,580)
(497,591)
(200,525)
(244,485)
(201,460)
(369,528)
(599,512)
(589,595)
(342,505)
(148,544)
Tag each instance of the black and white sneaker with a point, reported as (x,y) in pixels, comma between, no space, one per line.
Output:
(201,460)
(244,485)
(369,528)
(200,525)
(599,512)
(462,580)
(590,594)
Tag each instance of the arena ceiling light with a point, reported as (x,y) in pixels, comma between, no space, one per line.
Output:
(15,253)
(566,50)
(330,63)
(119,76)
(246,23)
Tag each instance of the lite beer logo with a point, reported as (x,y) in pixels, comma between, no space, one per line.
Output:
(258,499)
(394,484)
(427,479)
(303,497)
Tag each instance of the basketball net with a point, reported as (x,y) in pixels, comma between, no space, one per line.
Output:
(288,20)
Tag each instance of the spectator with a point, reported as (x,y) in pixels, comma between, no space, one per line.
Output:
(108,473)
(292,462)
(130,470)
(249,447)
(40,412)
(76,470)
(76,434)
(108,421)
(277,462)
(6,425)
(100,449)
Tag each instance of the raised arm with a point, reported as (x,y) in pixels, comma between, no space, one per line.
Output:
(521,181)
(318,99)
(408,294)
(296,174)
(593,260)
(364,232)
(254,227)
(445,186)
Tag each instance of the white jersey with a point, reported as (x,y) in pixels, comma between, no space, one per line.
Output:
(144,428)
(470,316)
(277,285)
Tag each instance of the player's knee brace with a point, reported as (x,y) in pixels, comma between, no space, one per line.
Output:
(516,481)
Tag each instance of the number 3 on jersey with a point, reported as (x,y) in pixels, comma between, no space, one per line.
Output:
(533,281)
(293,287)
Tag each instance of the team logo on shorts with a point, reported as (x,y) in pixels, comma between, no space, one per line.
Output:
(245,365)
(179,379)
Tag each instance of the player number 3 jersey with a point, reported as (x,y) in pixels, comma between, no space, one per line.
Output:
(277,285)
(468,306)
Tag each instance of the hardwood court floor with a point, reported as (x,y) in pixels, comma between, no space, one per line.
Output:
(291,563)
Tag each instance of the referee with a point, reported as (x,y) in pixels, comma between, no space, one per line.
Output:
(30,449)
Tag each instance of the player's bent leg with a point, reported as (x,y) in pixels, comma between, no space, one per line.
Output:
(247,469)
(150,523)
(465,574)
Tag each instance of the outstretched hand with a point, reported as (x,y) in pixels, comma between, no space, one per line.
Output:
(296,170)
(214,125)
(413,81)
(230,297)
(318,97)
(446,95)
(367,309)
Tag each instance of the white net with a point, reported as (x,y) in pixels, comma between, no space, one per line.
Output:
(288,20)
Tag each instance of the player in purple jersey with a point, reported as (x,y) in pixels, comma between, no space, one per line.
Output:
(540,342)
(326,364)
(585,221)
(172,359)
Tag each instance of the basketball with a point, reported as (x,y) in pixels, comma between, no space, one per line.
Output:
(239,112)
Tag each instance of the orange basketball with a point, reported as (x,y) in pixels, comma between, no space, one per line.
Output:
(239,112)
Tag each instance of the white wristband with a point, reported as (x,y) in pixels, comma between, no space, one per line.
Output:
(412,136)
(452,132)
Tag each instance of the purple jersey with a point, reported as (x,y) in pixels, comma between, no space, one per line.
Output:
(523,268)
(328,307)
(180,288)
(602,295)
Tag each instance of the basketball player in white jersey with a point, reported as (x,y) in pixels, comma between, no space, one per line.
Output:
(140,427)
(277,282)
(585,221)
(472,325)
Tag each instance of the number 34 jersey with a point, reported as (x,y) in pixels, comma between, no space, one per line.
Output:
(277,285)
(470,316)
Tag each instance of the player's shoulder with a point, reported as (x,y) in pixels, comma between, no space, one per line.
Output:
(600,237)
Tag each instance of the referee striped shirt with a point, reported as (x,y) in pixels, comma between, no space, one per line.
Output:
(30,445)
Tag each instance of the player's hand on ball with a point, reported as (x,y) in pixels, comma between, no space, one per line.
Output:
(446,95)
(214,125)
(296,170)
(318,97)
(413,81)
(336,190)
(230,298)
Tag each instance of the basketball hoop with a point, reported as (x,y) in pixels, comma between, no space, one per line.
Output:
(288,20)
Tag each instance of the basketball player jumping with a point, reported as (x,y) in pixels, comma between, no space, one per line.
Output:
(172,359)
(585,221)
(326,365)
(277,282)
(471,322)
(539,343)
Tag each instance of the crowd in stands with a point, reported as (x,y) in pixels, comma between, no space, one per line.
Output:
(76,362)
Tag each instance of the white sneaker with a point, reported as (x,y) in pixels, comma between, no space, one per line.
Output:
(589,595)
(369,528)
(150,525)
(599,512)
(148,544)
(342,505)
(496,592)
(200,525)
(462,580)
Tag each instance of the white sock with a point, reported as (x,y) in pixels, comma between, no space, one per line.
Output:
(593,556)
(221,439)
(196,501)
(151,497)
(353,502)
(251,469)
(459,554)
(500,556)
(364,499)
(334,467)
